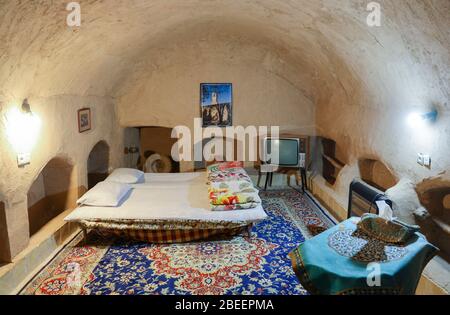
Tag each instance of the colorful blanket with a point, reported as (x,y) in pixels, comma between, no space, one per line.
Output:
(230,187)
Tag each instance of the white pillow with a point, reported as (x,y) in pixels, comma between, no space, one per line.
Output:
(126,176)
(105,194)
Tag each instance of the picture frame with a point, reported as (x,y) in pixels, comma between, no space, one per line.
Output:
(84,120)
(216,104)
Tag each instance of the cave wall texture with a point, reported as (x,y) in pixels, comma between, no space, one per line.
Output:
(311,66)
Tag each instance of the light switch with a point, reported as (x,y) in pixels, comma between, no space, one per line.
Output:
(420,159)
(23,159)
(424,159)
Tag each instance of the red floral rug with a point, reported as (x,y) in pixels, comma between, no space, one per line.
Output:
(255,265)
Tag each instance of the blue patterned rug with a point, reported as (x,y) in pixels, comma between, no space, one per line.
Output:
(258,265)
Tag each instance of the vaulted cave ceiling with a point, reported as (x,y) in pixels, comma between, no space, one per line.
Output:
(328,41)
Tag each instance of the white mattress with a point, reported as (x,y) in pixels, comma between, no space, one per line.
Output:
(168,197)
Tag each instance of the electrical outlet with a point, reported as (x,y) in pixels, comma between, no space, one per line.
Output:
(426,160)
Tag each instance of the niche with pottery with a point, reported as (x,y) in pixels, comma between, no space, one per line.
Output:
(434,217)
(376,174)
(156,146)
(98,163)
(54,191)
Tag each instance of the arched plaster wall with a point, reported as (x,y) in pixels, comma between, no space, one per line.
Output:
(403,67)
(58,136)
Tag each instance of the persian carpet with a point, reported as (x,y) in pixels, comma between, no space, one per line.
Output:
(256,265)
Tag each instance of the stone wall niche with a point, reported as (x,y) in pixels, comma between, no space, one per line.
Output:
(156,147)
(98,163)
(54,191)
(376,174)
(331,165)
(434,217)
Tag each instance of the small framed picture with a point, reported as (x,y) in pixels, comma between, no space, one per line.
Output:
(84,119)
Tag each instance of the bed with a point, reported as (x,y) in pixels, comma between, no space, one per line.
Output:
(167,208)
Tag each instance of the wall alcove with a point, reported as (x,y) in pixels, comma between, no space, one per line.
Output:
(331,165)
(98,163)
(376,174)
(156,146)
(54,191)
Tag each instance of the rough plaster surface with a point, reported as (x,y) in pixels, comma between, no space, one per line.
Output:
(148,57)
(165,89)
(404,199)
(59,137)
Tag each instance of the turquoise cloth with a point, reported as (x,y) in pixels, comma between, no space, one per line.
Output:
(339,261)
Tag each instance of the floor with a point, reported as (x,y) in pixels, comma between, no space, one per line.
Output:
(23,269)
(255,265)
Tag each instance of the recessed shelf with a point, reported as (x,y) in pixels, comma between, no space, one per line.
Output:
(331,165)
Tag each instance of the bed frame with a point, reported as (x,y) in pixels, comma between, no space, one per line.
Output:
(170,236)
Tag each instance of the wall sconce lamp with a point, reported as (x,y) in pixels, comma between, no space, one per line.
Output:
(22,127)
(416,120)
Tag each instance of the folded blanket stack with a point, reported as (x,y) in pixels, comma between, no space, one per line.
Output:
(230,187)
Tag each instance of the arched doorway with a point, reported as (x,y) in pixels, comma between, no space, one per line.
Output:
(98,163)
(54,191)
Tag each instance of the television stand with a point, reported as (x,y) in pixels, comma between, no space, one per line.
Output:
(300,173)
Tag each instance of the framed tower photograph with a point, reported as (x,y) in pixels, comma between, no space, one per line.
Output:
(216,104)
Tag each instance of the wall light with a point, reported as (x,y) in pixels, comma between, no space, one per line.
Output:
(417,120)
(22,127)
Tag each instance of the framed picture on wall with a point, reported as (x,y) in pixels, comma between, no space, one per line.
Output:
(216,104)
(84,119)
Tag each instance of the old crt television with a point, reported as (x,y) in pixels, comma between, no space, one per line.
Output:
(287,149)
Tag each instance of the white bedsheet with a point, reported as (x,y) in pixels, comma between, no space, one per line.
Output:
(168,197)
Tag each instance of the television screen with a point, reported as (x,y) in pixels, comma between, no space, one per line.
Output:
(287,150)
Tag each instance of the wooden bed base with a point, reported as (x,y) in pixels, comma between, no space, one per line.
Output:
(172,236)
